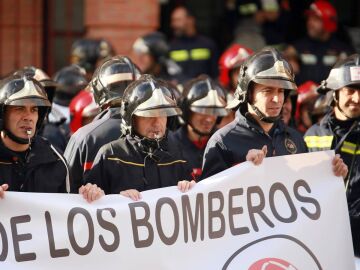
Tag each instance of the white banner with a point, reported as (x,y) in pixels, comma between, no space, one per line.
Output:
(288,213)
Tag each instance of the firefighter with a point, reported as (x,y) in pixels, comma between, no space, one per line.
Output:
(340,130)
(195,53)
(107,86)
(30,163)
(144,158)
(89,53)
(203,105)
(150,53)
(313,56)
(265,80)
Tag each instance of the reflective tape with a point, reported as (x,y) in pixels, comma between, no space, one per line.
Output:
(200,54)
(179,55)
(319,141)
(350,148)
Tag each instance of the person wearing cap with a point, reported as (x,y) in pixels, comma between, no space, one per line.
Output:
(196,54)
(107,86)
(144,158)
(265,80)
(203,106)
(340,130)
(313,56)
(29,163)
(150,53)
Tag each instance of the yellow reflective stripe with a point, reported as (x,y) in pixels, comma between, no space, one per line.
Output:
(318,141)
(179,55)
(127,162)
(200,54)
(248,9)
(350,148)
(173,162)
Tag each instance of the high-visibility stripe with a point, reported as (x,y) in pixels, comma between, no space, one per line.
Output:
(350,148)
(247,9)
(319,141)
(179,55)
(173,162)
(127,162)
(200,54)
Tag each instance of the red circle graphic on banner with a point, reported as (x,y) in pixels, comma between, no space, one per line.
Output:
(272,264)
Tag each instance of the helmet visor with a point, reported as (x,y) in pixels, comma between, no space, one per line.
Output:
(210,110)
(32,101)
(159,112)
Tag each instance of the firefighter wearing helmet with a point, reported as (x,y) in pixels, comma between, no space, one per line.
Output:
(143,158)
(150,53)
(88,53)
(340,130)
(203,105)
(265,79)
(105,91)
(313,56)
(28,162)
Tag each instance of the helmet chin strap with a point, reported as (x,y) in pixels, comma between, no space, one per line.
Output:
(263,117)
(17,139)
(202,134)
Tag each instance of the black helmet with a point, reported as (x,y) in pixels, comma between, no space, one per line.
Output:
(87,52)
(40,75)
(266,67)
(70,79)
(203,95)
(18,91)
(111,79)
(346,72)
(147,97)
(155,44)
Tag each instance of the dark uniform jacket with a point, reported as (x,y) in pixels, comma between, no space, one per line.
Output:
(327,135)
(318,57)
(195,55)
(230,145)
(129,163)
(86,142)
(192,153)
(40,169)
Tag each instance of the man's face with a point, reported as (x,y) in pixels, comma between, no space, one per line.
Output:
(314,25)
(179,21)
(150,127)
(20,119)
(269,100)
(349,101)
(202,122)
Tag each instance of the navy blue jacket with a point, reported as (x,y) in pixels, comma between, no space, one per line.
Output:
(230,145)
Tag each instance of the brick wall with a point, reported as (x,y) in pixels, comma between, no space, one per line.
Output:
(120,21)
(20,34)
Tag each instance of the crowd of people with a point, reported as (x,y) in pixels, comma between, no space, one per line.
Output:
(171,113)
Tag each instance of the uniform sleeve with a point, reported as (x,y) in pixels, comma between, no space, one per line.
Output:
(97,174)
(73,155)
(215,160)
